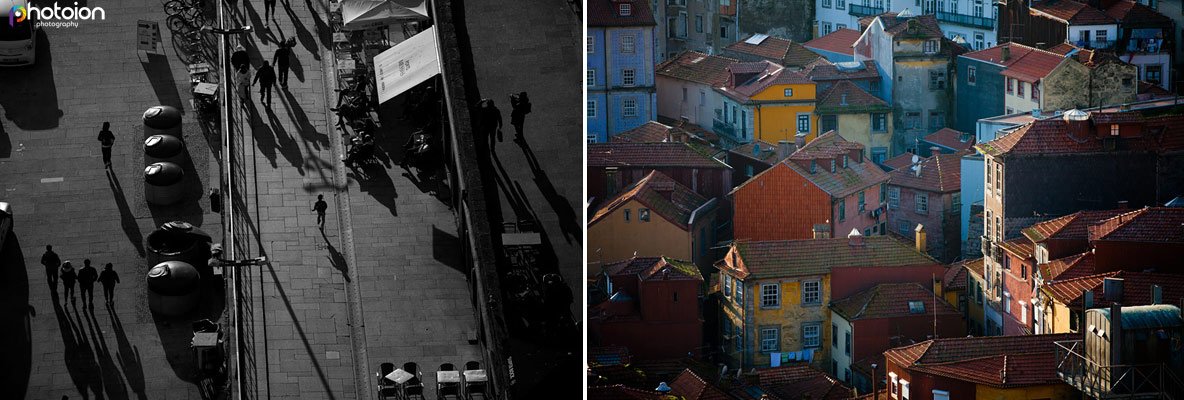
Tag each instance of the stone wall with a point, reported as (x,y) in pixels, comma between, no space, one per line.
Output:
(790,19)
(1108,84)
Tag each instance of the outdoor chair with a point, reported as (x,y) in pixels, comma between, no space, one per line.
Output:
(386,387)
(413,388)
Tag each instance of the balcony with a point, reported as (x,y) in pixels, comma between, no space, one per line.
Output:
(863,11)
(722,127)
(1135,45)
(1094,44)
(966,20)
(1114,381)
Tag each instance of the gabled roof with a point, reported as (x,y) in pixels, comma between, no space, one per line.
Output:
(1136,288)
(691,387)
(939,173)
(805,257)
(798,381)
(844,181)
(605,13)
(1150,224)
(1132,12)
(1064,268)
(1052,136)
(998,361)
(782,51)
(955,276)
(891,300)
(1070,227)
(649,155)
(1021,247)
(840,41)
(994,55)
(649,132)
(975,267)
(758,150)
(822,72)
(662,195)
(926,25)
(1062,48)
(901,161)
(1034,65)
(767,74)
(846,97)
(1071,12)
(696,67)
(655,268)
(950,139)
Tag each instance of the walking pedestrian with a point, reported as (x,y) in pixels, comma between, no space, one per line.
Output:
(109,278)
(68,276)
(107,139)
(266,78)
(282,60)
(239,58)
(490,122)
(86,281)
(521,106)
(243,77)
(51,261)
(268,12)
(320,207)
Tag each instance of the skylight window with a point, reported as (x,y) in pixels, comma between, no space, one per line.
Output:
(916,307)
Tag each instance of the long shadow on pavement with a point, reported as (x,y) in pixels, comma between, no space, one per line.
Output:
(312,355)
(264,138)
(287,146)
(446,248)
(336,259)
(126,219)
(128,356)
(324,33)
(33,103)
(16,355)
(160,74)
(569,222)
(378,184)
(5,142)
(80,356)
(113,383)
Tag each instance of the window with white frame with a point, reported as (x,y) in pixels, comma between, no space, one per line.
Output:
(826,28)
(834,336)
(904,389)
(770,339)
(862,204)
(739,292)
(628,77)
(971,75)
(922,203)
(770,295)
(978,41)
(893,197)
(930,46)
(724,286)
(941,395)
(811,335)
(625,9)
(629,107)
(789,92)
(895,390)
(840,26)
(628,43)
(591,137)
(840,4)
(591,77)
(811,292)
(825,3)
(1101,36)
(590,42)
(803,122)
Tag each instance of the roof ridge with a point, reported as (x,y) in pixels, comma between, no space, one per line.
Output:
(1081,278)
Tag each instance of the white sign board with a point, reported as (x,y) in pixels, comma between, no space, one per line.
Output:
(407,64)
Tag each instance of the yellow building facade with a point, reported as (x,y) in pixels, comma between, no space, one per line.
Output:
(617,237)
(771,105)
(776,117)
(1057,391)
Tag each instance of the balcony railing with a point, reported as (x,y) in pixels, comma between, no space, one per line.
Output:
(722,127)
(1114,381)
(1094,44)
(966,20)
(863,11)
(1145,45)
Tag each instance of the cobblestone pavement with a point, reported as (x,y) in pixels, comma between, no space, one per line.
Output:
(51,171)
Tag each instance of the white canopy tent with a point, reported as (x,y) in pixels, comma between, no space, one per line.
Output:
(365,14)
(407,64)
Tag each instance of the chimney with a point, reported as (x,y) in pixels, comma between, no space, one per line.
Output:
(799,140)
(920,238)
(855,238)
(670,134)
(1112,289)
(1078,123)
(1156,294)
(1006,52)
(934,150)
(784,149)
(821,231)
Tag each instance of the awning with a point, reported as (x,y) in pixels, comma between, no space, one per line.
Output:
(407,64)
(363,14)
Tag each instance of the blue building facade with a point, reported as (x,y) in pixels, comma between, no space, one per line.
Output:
(979,92)
(620,75)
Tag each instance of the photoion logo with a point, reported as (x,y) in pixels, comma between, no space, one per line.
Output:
(16,15)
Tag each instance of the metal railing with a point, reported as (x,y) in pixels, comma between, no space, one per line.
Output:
(1112,381)
(967,20)
(1094,44)
(722,127)
(863,11)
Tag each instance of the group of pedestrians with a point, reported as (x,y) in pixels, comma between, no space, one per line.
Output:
(85,277)
(489,118)
(265,76)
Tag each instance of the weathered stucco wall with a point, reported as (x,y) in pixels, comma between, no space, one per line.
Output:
(790,19)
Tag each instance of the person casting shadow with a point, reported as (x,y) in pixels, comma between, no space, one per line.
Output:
(52,262)
(109,278)
(86,281)
(68,276)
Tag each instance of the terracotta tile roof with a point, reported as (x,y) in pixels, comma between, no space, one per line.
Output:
(771,74)
(1022,247)
(797,381)
(1116,117)
(1033,66)
(1152,89)
(620,392)
(782,51)
(608,355)
(1052,136)
(1072,12)
(649,132)
(940,173)
(649,155)
(1150,224)
(1128,11)
(844,181)
(782,258)
(1070,227)
(832,72)
(955,276)
(691,387)
(655,268)
(846,97)
(901,161)
(662,195)
(1062,48)
(975,267)
(927,26)
(1074,266)
(840,41)
(998,361)
(950,139)
(605,13)
(698,133)
(1136,288)
(994,55)
(758,150)
(890,300)
(696,67)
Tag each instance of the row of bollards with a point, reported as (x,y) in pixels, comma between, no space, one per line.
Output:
(163,151)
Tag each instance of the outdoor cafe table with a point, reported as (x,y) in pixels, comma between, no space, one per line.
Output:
(399,376)
(448,376)
(521,239)
(475,375)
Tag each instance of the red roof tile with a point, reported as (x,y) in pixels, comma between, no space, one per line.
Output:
(771,74)
(1062,48)
(1072,12)
(901,161)
(994,55)
(927,25)
(657,132)
(1033,66)
(955,276)
(1068,291)
(603,13)
(890,300)
(999,361)
(840,41)
(832,72)
(781,51)
(844,181)
(760,151)
(1128,11)
(1074,266)
(782,258)
(1151,224)
(691,387)
(796,381)
(655,268)
(1070,227)
(975,267)
(940,173)
(696,67)
(1052,136)
(1136,288)
(1022,247)
(950,139)
(621,392)
(846,97)
(608,355)
(663,195)
(649,155)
